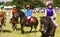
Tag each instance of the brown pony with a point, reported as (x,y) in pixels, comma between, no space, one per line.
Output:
(4,17)
(47,27)
(24,21)
(1,21)
(14,21)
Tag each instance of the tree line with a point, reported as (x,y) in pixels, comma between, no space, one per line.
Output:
(33,3)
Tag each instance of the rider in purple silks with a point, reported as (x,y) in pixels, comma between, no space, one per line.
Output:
(49,11)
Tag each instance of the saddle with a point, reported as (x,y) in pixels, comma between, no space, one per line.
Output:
(30,20)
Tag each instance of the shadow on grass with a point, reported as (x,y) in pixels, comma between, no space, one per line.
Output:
(4,31)
(18,29)
(27,32)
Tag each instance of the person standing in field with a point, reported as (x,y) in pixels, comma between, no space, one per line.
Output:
(50,12)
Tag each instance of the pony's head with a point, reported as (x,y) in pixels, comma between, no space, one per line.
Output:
(44,21)
(21,14)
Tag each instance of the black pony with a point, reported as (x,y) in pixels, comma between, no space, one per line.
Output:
(47,27)
(24,22)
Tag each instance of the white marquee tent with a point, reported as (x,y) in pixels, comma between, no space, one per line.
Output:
(6,0)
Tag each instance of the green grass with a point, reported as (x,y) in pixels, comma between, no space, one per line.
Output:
(8,32)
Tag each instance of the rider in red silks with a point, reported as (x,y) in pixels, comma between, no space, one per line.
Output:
(28,13)
(13,10)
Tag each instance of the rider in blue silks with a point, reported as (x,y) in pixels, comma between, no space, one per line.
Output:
(28,12)
(49,11)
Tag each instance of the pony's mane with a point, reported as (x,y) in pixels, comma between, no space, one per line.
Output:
(21,14)
(46,17)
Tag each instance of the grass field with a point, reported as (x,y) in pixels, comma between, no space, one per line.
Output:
(8,32)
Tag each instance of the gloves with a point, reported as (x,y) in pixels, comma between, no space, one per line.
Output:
(54,18)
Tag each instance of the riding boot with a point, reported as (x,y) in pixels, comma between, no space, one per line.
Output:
(55,23)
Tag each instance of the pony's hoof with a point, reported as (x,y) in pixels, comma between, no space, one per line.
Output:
(15,30)
(4,25)
(1,31)
(22,32)
(29,31)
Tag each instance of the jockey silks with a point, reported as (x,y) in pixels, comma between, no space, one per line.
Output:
(49,12)
(28,13)
(23,10)
(13,10)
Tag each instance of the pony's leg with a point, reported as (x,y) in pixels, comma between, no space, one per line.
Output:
(13,26)
(42,35)
(31,28)
(35,28)
(4,21)
(22,31)
(52,36)
(47,35)
(17,20)
(1,29)
(53,32)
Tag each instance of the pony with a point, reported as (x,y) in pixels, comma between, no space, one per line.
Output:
(47,27)
(1,21)
(25,22)
(14,21)
(4,17)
